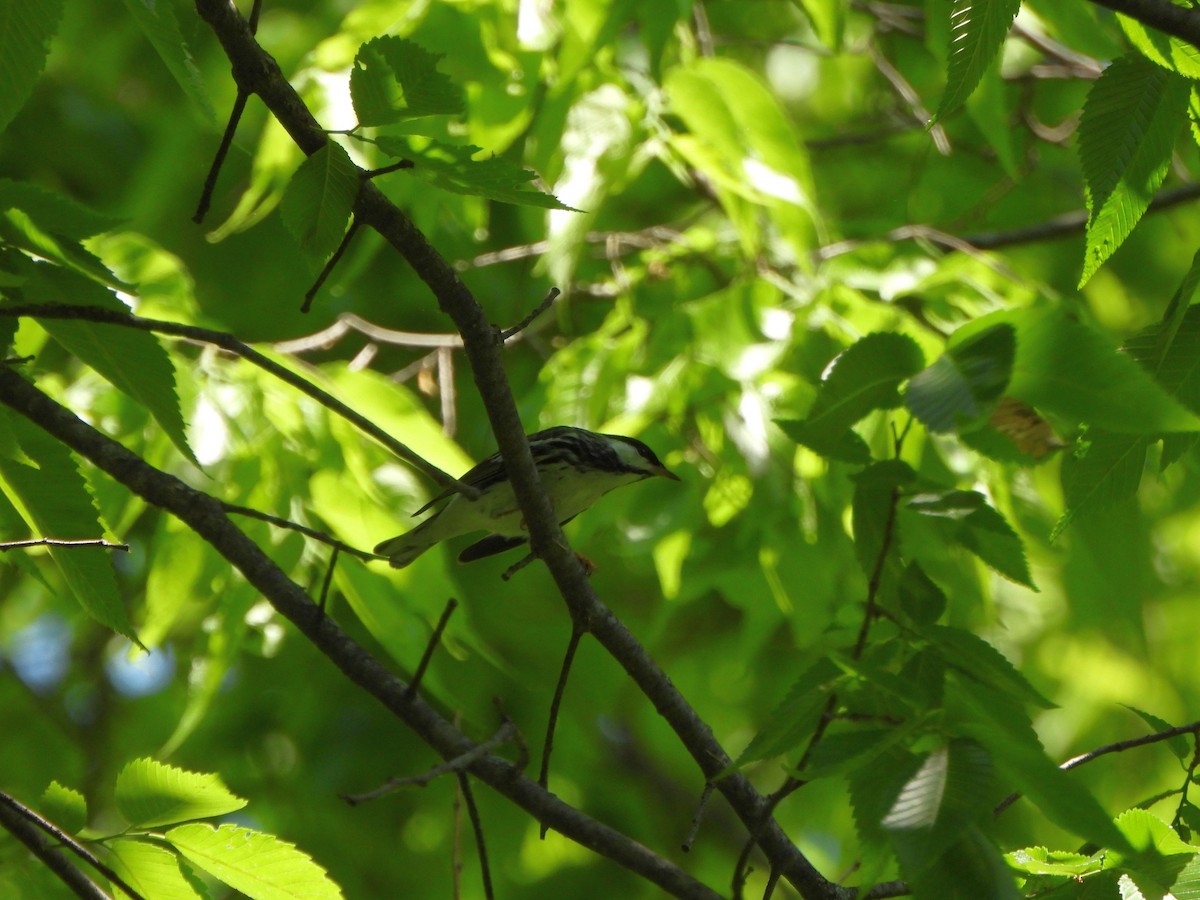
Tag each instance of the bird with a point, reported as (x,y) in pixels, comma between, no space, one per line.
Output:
(577,467)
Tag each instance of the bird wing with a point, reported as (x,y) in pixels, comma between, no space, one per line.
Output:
(481,477)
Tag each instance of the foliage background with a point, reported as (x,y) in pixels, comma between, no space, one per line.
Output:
(702,301)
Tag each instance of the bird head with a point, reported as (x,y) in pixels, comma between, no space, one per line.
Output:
(636,457)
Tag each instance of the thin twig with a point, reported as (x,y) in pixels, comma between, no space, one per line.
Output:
(564,672)
(385,170)
(230,343)
(330,264)
(348,322)
(214,171)
(57,542)
(458,764)
(328,580)
(517,566)
(280,522)
(1067,223)
(485,872)
(910,96)
(1117,747)
(697,817)
(432,644)
(528,320)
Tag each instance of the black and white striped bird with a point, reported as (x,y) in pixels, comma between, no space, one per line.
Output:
(577,468)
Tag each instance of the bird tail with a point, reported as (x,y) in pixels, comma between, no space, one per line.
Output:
(404,548)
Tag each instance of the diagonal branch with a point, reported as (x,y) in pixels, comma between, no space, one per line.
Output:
(256,71)
(1178,21)
(204,515)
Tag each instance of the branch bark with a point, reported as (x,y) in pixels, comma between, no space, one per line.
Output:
(204,515)
(254,70)
(1163,15)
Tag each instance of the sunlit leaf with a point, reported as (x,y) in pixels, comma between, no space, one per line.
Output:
(154,871)
(259,865)
(151,793)
(65,807)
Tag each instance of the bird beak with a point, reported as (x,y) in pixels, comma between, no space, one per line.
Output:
(666,473)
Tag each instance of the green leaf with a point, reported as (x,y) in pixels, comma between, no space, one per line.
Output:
(964,381)
(1068,369)
(157,21)
(54,212)
(973,656)
(1040,861)
(154,871)
(394,79)
(151,793)
(452,168)
(977,31)
(133,361)
(1127,132)
(1171,350)
(920,599)
(1102,470)
(319,198)
(966,519)
(259,865)
(978,711)
(794,720)
(53,499)
(948,792)
(25,33)
(65,807)
(864,378)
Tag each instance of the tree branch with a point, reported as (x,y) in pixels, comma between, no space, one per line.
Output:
(1178,21)
(204,515)
(256,71)
(16,824)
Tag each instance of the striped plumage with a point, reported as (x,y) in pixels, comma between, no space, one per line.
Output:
(577,468)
